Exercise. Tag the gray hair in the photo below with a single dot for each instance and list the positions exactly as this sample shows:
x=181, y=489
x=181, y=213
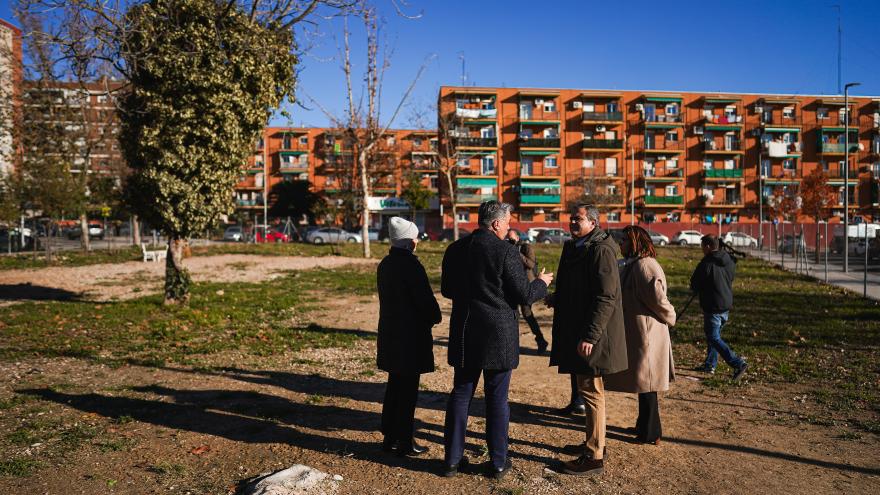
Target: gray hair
x=591, y=210
x=491, y=211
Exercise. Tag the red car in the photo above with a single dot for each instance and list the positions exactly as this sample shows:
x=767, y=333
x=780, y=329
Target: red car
x=274, y=235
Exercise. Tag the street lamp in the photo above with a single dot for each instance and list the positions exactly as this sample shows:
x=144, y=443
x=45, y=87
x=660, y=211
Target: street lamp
x=846, y=174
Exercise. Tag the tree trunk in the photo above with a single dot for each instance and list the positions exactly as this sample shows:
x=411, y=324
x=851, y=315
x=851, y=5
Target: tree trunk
x=48, y=243
x=365, y=211
x=817, y=239
x=177, y=279
x=452, y=203
x=84, y=227
x=135, y=231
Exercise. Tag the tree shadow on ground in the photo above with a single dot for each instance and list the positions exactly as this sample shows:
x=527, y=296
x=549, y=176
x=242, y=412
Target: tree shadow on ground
x=30, y=292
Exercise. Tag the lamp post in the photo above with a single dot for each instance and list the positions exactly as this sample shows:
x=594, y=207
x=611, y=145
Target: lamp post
x=846, y=174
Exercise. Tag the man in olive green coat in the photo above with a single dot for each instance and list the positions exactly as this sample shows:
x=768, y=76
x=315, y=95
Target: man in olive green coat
x=588, y=334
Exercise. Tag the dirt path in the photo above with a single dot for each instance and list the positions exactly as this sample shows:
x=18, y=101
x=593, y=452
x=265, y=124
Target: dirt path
x=193, y=431
x=119, y=281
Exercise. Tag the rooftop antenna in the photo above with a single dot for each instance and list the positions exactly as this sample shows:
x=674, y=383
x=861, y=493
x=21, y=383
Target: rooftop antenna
x=839, y=49
x=463, y=74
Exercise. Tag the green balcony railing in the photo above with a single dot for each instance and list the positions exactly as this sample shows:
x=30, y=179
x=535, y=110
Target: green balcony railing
x=465, y=198
x=664, y=200
x=539, y=143
x=605, y=144
x=723, y=173
x=603, y=116
x=540, y=199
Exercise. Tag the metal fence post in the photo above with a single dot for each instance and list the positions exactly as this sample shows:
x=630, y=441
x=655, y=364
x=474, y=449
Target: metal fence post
x=825, y=243
x=865, y=279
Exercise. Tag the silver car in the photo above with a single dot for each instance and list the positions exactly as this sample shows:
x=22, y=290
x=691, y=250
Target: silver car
x=738, y=239
x=233, y=233
x=332, y=235
x=553, y=236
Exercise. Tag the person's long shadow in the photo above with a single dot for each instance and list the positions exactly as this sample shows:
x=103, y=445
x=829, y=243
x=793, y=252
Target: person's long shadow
x=253, y=417
x=30, y=292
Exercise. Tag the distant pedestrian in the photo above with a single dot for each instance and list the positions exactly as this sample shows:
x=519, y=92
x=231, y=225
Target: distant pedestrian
x=647, y=316
x=712, y=281
x=588, y=335
x=483, y=275
x=407, y=311
x=530, y=265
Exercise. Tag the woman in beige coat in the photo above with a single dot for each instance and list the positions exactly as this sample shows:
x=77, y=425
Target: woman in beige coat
x=647, y=317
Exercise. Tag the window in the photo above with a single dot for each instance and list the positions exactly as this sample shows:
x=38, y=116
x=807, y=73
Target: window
x=549, y=106
x=525, y=165
x=611, y=166
x=612, y=107
x=788, y=113
x=526, y=216
x=390, y=140
x=463, y=216
x=417, y=142
x=551, y=217
x=672, y=190
x=707, y=165
x=286, y=142
x=463, y=162
x=304, y=140
x=487, y=164
x=613, y=217
x=589, y=107
x=672, y=109
x=330, y=140
x=788, y=164
x=550, y=162
x=487, y=132
x=611, y=189
x=765, y=168
x=433, y=182
x=650, y=190
x=260, y=143
x=672, y=136
x=822, y=113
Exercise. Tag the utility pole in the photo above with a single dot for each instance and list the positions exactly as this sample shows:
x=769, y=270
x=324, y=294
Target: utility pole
x=632, y=186
x=846, y=175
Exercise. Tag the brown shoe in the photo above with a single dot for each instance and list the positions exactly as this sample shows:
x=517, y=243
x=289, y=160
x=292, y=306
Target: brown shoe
x=584, y=466
x=579, y=448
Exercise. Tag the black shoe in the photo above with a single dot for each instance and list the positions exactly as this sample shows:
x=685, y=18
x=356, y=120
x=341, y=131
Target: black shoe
x=450, y=471
x=737, y=373
x=389, y=445
x=411, y=449
x=542, y=346
x=573, y=410
x=705, y=369
x=498, y=473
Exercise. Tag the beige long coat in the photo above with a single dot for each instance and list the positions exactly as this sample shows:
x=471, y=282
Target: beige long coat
x=647, y=317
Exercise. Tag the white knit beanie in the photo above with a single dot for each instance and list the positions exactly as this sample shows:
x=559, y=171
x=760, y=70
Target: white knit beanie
x=400, y=229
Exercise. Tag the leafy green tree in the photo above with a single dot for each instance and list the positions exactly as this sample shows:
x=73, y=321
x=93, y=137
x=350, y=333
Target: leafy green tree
x=204, y=79
x=415, y=193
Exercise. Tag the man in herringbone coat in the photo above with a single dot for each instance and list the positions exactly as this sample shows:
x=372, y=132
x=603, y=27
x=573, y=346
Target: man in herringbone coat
x=484, y=277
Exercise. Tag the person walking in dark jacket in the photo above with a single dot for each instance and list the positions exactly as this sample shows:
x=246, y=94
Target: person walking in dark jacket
x=407, y=311
x=588, y=334
x=484, y=277
x=530, y=265
x=712, y=281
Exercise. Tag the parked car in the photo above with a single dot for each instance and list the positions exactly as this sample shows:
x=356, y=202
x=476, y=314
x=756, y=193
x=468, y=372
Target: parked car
x=331, y=235
x=738, y=239
x=274, y=234
x=658, y=239
x=617, y=235
x=553, y=236
x=687, y=238
x=375, y=235
x=96, y=231
x=447, y=234
x=10, y=240
x=233, y=233
x=788, y=243
x=533, y=232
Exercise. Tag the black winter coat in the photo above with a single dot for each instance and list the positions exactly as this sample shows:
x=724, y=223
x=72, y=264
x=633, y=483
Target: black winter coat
x=407, y=311
x=588, y=306
x=484, y=277
x=713, y=281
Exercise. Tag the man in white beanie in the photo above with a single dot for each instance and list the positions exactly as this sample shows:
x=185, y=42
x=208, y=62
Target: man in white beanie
x=407, y=311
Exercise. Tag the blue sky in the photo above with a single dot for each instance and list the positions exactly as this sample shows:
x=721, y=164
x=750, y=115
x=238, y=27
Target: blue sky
x=750, y=46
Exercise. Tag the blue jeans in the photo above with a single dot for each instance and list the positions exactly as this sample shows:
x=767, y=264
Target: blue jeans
x=712, y=324
x=495, y=387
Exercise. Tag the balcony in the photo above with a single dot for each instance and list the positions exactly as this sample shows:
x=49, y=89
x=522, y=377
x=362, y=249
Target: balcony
x=662, y=121
x=837, y=148
x=723, y=203
x=539, y=117
x=294, y=168
x=476, y=142
x=836, y=175
x=718, y=173
x=474, y=198
x=665, y=147
x=540, y=192
x=603, y=144
x=249, y=203
x=652, y=175
x=779, y=149
x=476, y=113
x=725, y=148
x=602, y=117
x=539, y=143
x=663, y=200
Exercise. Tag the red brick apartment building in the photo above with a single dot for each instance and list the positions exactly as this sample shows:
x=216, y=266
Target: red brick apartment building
x=682, y=157
x=322, y=157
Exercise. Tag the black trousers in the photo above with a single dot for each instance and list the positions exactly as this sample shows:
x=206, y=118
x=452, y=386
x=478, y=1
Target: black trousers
x=648, y=425
x=529, y=316
x=399, y=407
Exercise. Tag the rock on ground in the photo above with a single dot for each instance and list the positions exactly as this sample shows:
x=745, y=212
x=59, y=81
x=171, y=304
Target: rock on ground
x=295, y=480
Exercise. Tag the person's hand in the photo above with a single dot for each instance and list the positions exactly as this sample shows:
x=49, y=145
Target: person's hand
x=584, y=349
x=545, y=277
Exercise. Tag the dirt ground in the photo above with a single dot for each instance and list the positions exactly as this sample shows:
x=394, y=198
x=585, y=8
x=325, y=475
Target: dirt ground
x=187, y=430
x=119, y=281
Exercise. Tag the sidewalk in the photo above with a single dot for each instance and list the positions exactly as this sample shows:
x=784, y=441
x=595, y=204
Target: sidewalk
x=852, y=281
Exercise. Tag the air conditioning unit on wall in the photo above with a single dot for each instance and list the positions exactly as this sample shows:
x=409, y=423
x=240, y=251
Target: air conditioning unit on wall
x=577, y=104
x=600, y=128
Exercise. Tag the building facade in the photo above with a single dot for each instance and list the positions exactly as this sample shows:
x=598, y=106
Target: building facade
x=655, y=156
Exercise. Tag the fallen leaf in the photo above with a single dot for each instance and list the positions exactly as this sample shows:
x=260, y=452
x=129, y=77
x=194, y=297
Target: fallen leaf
x=200, y=450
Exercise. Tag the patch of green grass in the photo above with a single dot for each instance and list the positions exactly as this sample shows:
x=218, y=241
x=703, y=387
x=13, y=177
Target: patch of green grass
x=166, y=468
x=315, y=399
x=19, y=467
x=114, y=444
x=13, y=401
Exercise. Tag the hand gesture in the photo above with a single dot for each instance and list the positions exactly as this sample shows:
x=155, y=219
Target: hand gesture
x=584, y=349
x=545, y=277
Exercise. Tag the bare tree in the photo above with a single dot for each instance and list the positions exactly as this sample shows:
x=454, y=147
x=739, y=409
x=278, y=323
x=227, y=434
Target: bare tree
x=448, y=128
x=362, y=123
